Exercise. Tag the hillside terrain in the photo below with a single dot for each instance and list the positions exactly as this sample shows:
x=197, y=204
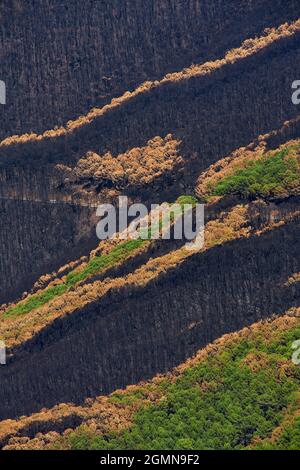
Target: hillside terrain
x=62, y=57
x=244, y=385
x=193, y=106
x=251, y=236
x=144, y=344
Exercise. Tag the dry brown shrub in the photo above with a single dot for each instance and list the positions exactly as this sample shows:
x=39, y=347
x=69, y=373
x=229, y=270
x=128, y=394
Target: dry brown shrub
x=293, y=280
x=138, y=166
x=102, y=415
x=18, y=329
x=247, y=48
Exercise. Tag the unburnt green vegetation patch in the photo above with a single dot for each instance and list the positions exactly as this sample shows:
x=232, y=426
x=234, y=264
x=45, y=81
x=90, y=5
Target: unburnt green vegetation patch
x=230, y=400
x=96, y=265
x=93, y=267
x=275, y=175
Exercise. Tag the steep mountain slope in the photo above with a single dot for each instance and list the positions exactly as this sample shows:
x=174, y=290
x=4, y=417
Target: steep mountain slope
x=82, y=319
x=251, y=252
x=60, y=58
x=244, y=384
x=205, y=108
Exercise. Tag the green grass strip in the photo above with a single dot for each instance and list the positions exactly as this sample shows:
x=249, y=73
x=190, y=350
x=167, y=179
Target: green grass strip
x=95, y=266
